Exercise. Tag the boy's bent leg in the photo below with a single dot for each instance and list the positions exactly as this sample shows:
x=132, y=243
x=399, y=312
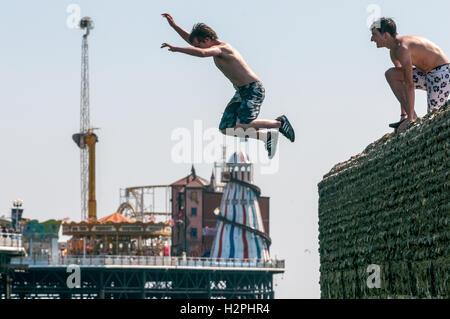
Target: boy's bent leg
x=246, y=132
x=419, y=80
x=268, y=136
x=395, y=79
x=259, y=124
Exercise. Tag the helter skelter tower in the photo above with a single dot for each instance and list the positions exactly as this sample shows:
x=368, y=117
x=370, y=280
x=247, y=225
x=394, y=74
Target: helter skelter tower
x=240, y=230
x=86, y=139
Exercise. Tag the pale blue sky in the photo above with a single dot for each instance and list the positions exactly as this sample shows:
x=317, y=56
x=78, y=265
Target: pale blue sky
x=315, y=59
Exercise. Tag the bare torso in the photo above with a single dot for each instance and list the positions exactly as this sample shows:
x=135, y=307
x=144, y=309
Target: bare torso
x=425, y=55
x=233, y=66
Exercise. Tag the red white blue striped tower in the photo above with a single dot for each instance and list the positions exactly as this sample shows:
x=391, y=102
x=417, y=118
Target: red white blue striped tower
x=240, y=230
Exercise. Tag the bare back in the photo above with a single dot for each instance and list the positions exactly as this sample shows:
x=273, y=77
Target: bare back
x=425, y=55
x=233, y=66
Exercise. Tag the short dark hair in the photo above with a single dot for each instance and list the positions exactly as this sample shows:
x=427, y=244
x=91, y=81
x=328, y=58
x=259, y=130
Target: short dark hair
x=384, y=25
x=201, y=31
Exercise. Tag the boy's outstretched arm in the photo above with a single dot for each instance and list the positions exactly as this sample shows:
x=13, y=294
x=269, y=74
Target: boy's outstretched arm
x=183, y=33
x=199, y=52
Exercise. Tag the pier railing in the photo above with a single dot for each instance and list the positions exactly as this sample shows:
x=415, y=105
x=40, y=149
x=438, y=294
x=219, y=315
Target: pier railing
x=159, y=261
x=10, y=240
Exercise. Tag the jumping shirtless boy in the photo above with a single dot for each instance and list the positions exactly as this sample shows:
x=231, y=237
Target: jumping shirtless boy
x=419, y=64
x=242, y=111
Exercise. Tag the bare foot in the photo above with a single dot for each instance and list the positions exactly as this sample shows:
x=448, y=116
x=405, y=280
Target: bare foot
x=404, y=124
x=404, y=116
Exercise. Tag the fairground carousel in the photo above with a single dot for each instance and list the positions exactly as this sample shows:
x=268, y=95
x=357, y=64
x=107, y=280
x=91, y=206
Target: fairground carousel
x=117, y=234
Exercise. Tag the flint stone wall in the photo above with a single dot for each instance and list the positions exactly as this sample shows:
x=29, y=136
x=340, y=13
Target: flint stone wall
x=389, y=206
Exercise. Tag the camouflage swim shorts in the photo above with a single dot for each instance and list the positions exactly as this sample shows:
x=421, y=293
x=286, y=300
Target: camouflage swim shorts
x=244, y=106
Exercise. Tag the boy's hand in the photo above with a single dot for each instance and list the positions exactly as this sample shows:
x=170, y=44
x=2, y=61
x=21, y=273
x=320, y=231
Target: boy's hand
x=167, y=45
x=183, y=33
x=169, y=19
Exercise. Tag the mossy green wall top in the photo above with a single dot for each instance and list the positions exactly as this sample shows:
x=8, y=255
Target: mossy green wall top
x=389, y=206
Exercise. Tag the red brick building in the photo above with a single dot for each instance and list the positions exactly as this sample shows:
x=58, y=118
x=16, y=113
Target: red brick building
x=194, y=200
